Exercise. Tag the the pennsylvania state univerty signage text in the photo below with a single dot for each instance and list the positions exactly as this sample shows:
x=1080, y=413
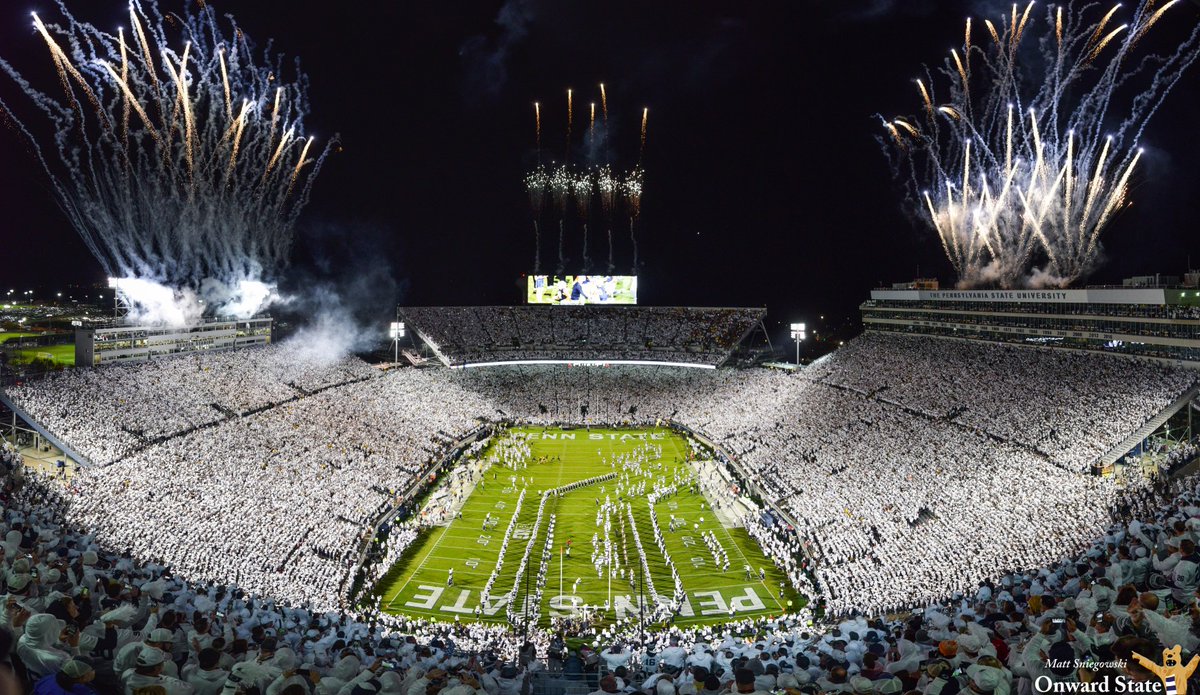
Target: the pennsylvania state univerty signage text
x=1003, y=295
x=1094, y=295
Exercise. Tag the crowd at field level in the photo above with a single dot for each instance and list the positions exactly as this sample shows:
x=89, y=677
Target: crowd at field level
x=81, y=619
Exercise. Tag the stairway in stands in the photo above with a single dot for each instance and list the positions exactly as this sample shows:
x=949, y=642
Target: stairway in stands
x=1146, y=430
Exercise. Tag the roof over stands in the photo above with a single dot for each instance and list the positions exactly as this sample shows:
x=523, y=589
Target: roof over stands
x=536, y=334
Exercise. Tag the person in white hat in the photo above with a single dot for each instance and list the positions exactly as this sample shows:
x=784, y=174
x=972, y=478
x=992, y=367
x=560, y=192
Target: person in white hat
x=73, y=678
x=149, y=671
x=46, y=645
x=985, y=679
x=159, y=638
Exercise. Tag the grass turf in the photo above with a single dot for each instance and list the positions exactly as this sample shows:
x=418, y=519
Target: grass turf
x=417, y=585
x=5, y=336
x=62, y=354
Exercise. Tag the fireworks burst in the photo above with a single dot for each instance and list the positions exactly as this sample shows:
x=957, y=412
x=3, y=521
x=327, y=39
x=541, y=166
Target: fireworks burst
x=537, y=117
x=179, y=153
x=582, y=187
x=1019, y=172
x=560, y=182
x=608, y=186
x=632, y=187
x=594, y=185
x=536, y=184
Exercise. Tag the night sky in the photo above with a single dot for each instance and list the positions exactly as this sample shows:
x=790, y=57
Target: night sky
x=764, y=181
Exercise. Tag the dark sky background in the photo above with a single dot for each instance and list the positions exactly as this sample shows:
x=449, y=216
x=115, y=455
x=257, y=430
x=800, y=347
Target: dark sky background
x=764, y=181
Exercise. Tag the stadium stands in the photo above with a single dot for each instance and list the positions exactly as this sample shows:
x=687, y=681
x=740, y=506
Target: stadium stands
x=1030, y=397
x=888, y=456
x=463, y=336
x=83, y=618
x=109, y=413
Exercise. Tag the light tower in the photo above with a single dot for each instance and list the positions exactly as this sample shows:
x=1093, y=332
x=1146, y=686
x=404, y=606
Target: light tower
x=120, y=301
x=396, y=332
x=799, y=333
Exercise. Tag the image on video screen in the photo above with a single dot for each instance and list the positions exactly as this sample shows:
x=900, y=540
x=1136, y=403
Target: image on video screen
x=582, y=289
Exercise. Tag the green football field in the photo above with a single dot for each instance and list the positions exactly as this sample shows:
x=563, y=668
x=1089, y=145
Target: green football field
x=470, y=544
x=61, y=354
x=5, y=336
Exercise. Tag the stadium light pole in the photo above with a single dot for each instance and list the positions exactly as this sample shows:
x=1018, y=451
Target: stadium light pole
x=396, y=332
x=799, y=334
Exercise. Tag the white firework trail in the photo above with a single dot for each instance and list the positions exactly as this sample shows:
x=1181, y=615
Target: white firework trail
x=1028, y=157
x=536, y=184
x=600, y=195
x=176, y=150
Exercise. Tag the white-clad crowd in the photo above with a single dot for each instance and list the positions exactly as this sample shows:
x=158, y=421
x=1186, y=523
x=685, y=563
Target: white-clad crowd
x=1027, y=396
x=896, y=497
x=664, y=334
x=278, y=501
x=107, y=414
x=81, y=619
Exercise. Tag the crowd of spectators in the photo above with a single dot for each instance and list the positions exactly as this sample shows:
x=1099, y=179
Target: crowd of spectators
x=465, y=335
x=279, y=501
x=886, y=462
x=82, y=619
x=1027, y=396
x=106, y=414
x=879, y=477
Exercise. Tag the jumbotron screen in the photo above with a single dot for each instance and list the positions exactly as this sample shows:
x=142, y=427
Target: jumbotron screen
x=582, y=289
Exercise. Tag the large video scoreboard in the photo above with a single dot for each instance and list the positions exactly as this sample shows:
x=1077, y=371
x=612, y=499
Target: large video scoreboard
x=582, y=289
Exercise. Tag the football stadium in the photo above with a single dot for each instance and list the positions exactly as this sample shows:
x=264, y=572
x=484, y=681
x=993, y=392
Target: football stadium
x=241, y=486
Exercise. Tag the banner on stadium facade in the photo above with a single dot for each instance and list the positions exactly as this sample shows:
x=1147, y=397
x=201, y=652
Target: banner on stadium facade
x=1099, y=295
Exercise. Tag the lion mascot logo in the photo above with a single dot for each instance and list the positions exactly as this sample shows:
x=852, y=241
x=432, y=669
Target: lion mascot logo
x=1174, y=675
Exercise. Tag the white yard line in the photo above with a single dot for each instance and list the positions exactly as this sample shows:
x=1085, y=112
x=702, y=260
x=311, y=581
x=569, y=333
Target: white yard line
x=391, y=601
x=730, y=540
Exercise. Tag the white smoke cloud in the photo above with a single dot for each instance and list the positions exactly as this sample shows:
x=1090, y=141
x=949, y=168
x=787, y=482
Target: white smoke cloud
x=153, y=303
x=332, y=329
x=1043, y=278
x=241, y=299
x=327, y=338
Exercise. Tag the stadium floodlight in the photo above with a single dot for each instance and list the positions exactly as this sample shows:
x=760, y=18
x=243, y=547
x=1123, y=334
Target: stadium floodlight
x=112, y=283
x=799, y=334
x=396, y=332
